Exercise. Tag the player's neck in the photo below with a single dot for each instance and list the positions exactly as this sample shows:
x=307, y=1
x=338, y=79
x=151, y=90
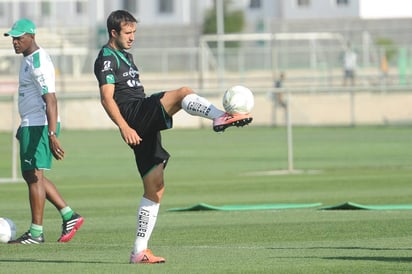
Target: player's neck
x=31, y=49
x=112, y=44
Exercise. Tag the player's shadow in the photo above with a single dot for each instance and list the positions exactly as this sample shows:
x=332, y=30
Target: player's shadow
x=396, y=259
x=42, y=261
x=345, y=247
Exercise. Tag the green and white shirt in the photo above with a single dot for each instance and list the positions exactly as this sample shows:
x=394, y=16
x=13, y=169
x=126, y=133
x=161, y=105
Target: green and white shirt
x=36, y=78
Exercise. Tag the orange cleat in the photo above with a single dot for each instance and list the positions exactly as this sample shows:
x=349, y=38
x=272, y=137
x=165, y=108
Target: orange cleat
x=229, y=120
x=146, y=257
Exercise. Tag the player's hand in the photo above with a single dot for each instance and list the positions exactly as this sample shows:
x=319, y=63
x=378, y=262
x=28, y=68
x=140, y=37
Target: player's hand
x=130, y=136
x=56, y=148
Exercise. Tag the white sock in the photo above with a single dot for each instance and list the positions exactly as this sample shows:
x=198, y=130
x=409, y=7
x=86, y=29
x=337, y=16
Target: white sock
x=199, y=106
x=146, y=220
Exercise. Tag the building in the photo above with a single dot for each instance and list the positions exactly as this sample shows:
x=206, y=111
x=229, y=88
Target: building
x=89, y=13
x=169, y=30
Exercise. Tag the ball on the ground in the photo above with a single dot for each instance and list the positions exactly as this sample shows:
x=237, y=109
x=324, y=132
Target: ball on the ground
x=7, y=230
x=238, y=99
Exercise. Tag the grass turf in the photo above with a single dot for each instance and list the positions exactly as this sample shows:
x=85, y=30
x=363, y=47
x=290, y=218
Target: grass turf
x=366, y=165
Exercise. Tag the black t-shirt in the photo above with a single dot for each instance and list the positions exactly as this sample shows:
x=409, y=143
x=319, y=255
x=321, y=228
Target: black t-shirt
x=117, y=67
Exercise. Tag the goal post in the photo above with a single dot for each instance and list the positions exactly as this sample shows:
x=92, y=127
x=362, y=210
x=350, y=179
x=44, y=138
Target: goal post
x=207, y=60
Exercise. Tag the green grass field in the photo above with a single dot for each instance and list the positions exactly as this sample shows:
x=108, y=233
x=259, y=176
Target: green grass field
x=366, y=165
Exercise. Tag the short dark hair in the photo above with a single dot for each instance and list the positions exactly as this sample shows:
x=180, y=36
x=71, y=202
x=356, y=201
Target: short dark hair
x=116, y=18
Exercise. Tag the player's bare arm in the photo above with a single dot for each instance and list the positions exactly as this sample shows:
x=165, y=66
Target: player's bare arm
x=129, y=135
x=51, y=113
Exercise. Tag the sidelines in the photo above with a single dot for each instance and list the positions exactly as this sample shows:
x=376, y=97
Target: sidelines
x=11, y=180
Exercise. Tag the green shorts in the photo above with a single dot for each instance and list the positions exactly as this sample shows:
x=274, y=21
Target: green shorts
x=35, y=151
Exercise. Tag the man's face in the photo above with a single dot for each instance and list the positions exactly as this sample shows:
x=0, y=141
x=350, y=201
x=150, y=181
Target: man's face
x=23, y=43
x=124, y=39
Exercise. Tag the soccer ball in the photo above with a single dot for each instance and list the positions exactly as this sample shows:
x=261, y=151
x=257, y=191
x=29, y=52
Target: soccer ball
x=238, y=99
x=7, y=230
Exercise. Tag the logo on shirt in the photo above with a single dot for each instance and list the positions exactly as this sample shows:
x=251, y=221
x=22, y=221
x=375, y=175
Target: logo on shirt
x=41, y=79
x=110, y=79
x=133, y=72
x=106, y=65
x=133, y=83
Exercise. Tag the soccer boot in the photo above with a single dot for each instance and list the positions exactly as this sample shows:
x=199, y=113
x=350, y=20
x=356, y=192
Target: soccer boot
x=70, y=227
x=146, y=257
x=27, y=239
x=228, y=120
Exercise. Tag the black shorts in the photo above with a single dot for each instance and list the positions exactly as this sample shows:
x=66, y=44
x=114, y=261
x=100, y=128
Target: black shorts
x=349, y=73
x=148, y=118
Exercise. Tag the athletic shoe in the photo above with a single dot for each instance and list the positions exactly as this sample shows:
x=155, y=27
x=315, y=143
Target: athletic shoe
x=70, y=227
x=228, y=120
x=27, y=239
x=146, y=257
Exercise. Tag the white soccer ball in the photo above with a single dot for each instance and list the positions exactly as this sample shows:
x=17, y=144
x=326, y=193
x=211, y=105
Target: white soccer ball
x=238, y=99
x=7, y=230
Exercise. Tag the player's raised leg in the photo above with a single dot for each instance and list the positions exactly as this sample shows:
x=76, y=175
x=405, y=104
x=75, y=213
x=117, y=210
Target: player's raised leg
x=196, y=105
x=229, y=120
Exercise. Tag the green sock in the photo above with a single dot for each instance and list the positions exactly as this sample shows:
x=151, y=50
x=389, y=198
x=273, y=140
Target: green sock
x=36, y=230
x=66, y=213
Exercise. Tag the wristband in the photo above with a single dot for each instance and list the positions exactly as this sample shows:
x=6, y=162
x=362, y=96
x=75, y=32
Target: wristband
x=52, y=133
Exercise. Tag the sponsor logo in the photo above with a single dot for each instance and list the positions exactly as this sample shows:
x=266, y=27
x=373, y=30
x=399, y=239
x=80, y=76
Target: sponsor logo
x=133, y=83
x=106, y=65
x=28, y=161
x=145, y=258
x=196, y=107
x=110, y=78
x=133, y=72
x=143, y=222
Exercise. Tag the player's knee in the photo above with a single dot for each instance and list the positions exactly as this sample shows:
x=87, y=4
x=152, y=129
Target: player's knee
x=155, y=191
x=185, y=91
x=159, y=186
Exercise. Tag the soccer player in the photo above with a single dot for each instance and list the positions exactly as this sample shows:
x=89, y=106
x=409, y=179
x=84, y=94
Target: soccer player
x=140, y=120
x=38, y=133
x=349, y=65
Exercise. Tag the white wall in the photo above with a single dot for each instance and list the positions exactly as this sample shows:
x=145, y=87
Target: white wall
x=370, y=9
x=185, y=12
x=192, y=11
x=319, y=9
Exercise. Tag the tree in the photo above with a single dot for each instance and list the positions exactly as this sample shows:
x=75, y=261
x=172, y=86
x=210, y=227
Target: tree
x=388, y=47
x=234, y=21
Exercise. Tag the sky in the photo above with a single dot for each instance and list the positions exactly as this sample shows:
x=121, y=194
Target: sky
x=385, y=8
